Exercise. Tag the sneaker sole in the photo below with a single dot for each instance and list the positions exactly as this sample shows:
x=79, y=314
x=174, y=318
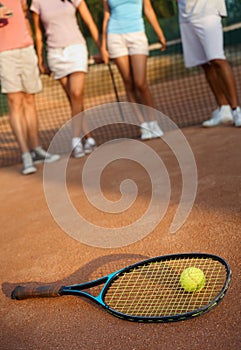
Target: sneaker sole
x=214, y=125
x=228, y=120
x=209, y=126
x=79, y=155
x=88, y=151
x=156, y=135
x=152, y=136
x=29, y=171
x=47, y=160
x=145, y=138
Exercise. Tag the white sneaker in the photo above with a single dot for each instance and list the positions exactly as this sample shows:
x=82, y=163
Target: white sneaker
x=155, y=128
x=78, y=149
x=28, y=165
x=39, y=155
x=146, y=132
x=89, y=145
x=237, y=117
x=222, y=115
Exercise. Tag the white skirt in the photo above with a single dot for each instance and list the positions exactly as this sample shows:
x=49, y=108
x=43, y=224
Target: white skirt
x=67, y=60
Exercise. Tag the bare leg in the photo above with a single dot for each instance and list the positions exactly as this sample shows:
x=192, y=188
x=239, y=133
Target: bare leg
x=17, y=119
x=139, y=66
x=139, y=69
x=213, y=81
x=124, y=66
x=31, y=120
x=220, y=77
x=133, y=71
x=73, y=86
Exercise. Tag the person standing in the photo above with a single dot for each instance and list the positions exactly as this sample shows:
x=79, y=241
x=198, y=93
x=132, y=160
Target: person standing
x=20, y=80
x=67, y=55
x=202, y=40
x=125, y=42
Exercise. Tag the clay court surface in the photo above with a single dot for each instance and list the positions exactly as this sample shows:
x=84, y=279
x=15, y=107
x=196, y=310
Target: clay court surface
x=35, y=251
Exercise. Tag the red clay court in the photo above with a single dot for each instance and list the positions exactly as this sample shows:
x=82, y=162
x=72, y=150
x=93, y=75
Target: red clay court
x=35, y=251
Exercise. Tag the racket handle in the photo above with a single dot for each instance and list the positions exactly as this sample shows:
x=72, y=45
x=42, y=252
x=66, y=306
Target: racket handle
x=48, y=291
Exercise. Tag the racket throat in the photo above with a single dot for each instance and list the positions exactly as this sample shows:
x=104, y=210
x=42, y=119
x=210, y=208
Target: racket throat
x=80, y=289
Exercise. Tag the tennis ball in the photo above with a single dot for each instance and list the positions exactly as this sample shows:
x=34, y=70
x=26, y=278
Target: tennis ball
x=192, y=279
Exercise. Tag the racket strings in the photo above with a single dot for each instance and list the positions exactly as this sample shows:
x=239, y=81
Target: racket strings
x=154, y=289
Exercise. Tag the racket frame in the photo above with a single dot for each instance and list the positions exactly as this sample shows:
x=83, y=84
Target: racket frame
x=77, y=289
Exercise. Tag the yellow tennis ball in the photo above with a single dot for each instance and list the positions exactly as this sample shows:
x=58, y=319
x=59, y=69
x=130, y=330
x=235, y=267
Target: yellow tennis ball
x=192, y=279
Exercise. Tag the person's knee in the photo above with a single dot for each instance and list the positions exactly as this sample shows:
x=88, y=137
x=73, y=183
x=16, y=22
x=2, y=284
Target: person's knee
x=76, y=95
x=129, y=85
x=206, y=66
x=15, y=100
x=141, y=85
x=29, y=99
x=219, y=63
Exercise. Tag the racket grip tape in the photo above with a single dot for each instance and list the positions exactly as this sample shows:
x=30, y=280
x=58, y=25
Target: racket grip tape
x=48, y=291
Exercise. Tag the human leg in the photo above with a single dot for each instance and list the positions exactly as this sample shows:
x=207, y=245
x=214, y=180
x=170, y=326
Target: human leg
x=19, y=127
x=73, y=85
x=38, y=154
x=221, y=80
x=203, y=46
x=31, y=120
x=139, y=67
x=125, y=70
x=133, y=72
x=77, y=145
x=123, y=49
x=215, y=83
x=20, y=81
x=123, y=64
x=223, y=113
x=17, y=119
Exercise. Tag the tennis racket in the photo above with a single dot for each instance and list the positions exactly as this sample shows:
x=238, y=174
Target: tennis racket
x=150, y=291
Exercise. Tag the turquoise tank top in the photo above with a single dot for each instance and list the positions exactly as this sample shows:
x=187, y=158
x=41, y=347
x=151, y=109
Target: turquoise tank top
x=125, y=16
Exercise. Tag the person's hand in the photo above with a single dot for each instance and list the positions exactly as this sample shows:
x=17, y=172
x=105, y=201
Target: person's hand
x=163, y=42
x=5, y=12
x=105, y=55
x=44, y=69
x=98, y=59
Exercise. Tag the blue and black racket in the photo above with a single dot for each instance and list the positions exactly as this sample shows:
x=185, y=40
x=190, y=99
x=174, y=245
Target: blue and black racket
x=150, y=291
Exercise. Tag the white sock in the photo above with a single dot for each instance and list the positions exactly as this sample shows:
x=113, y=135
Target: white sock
x=26, y=154
x=76, y=141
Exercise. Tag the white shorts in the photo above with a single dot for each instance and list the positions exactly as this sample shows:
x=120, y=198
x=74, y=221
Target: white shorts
x=202, y=40
x=19, y=71
x=67, y=60
x=127, y=44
